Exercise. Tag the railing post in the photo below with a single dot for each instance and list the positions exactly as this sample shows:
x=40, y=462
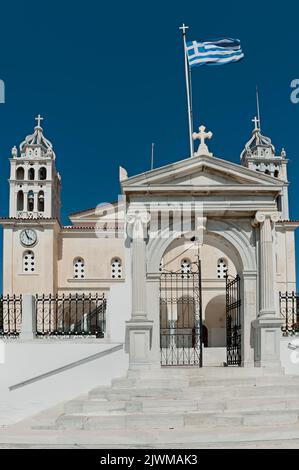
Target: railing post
x=28, y=326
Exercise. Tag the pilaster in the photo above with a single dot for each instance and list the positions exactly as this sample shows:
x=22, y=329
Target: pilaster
x=267, y=327
x=139, y=327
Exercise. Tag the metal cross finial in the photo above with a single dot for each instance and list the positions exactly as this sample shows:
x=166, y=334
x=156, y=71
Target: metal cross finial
x=202, y=135
x=184, y=28
x=256, y=122
x=39, y=119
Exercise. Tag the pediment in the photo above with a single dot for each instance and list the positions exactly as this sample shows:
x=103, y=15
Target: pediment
x=206, y=176
x=200, y=172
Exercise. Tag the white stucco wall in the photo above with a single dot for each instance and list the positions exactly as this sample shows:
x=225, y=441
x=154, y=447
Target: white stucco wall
x=25, y=361
x=43, y=279
x=97, y=254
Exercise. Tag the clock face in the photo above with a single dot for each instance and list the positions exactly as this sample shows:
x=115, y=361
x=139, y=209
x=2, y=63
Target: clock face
x=28, y=237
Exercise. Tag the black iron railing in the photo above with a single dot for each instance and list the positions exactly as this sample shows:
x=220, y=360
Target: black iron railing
x=10, y=315
x=73, y=314
x=289, y=311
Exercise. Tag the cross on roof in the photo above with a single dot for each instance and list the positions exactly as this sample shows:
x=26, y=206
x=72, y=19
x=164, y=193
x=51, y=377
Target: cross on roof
x=39, y=119
x=184, y=28
x=202, y=135
x=256, y=122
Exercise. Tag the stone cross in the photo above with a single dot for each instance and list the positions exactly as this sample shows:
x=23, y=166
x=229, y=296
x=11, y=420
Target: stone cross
x=39, y=119
x=202, y=135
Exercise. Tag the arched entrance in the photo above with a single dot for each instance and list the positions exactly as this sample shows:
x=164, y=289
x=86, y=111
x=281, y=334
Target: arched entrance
x=197, y=305
x=237, y=247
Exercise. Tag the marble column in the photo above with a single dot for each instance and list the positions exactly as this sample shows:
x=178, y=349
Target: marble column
x=267, y=275
x=139, y=279
x=267, y=326
x=139, y=327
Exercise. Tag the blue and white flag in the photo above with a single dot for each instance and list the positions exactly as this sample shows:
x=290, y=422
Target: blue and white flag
x=221, y=51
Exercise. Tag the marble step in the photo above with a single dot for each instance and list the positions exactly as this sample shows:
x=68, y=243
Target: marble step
x=184, y=405
x=197, y=392
x=174, y=420
x=184, y=437
x=243, y=392
x=186, y=382
x=209, y=372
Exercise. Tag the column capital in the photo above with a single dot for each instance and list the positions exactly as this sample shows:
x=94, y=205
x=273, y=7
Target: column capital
x=137, y=224
x=261, y=216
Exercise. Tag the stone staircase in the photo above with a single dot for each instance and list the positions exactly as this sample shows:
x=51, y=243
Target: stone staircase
x=187, y=399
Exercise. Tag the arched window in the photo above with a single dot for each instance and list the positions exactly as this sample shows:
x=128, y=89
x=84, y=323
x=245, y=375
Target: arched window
x=20, y=173
x=31, y=174
x=222, y=268
x=28, y=262
x=116, y=268
x=276, y=173
x=20, y=201
x=30, y=201
x=42, y=174
x=41, y=201
x=79, y=268
x=185, y=268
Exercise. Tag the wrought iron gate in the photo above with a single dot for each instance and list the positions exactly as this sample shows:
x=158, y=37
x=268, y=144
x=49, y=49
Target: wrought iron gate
x=289, y=312
x=181, y=318
x=233, y=322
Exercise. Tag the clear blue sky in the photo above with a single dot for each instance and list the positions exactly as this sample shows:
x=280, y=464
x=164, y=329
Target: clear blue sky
x=108, y=77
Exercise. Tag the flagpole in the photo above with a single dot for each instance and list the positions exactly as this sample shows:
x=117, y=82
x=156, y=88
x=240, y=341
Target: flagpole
x=187, y=77
x=152, y=156
x=258, y=107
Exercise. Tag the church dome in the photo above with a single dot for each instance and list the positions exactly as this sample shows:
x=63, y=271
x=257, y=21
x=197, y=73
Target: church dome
x=36, y=145
x=258, y=145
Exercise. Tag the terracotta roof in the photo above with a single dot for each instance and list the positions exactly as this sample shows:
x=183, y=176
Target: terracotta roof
x=290, y=221
x=27, y=219
x=74, y=227
x=82, y=212
x=92, y=227
x=93, y=208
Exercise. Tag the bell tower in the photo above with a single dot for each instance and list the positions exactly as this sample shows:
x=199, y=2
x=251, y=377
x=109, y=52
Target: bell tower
x=34, y=182
x=259, y=155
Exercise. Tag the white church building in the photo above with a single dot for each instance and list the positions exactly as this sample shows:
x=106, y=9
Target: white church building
x=194, y=265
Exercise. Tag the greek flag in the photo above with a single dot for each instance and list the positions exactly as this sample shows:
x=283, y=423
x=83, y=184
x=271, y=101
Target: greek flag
x=221, y=51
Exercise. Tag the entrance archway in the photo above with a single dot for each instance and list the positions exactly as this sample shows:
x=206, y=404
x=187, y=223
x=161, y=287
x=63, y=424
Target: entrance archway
x=236, y=246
